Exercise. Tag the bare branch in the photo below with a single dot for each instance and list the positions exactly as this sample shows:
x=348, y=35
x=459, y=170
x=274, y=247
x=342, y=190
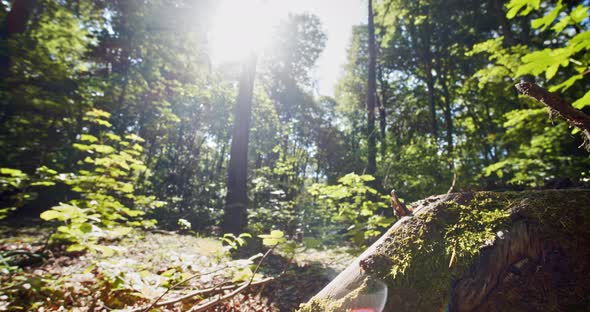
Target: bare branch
x=558, y=106
x=213, y=302
x=154, y=303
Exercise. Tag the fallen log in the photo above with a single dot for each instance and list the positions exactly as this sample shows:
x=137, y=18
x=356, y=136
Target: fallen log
x=525, y=251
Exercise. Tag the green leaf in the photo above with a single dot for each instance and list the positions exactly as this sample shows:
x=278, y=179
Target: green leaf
x=88, y=138
x=583, y=101
x=86, y=227
x=134, y=137
x=113, y=136
x=548, y=19
x=515, y=6
x=106, y=251
x=277, y=234
x=98, y=113
x=103, y=149
x=566, y=84
x=168, y=273
x=11, y=172
x=81, y=147
x=50, y=215
x=76, y=247
x=551, y=71
x=579, y=14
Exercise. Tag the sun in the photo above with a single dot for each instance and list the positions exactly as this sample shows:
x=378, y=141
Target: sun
x=242, y=27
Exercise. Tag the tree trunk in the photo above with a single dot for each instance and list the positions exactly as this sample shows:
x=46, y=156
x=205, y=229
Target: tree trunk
x=448, y=110
x=235, y=217
x=498, y=11
x=431, y=102
x=16, y=23
x=382, y=113
x=371, y=96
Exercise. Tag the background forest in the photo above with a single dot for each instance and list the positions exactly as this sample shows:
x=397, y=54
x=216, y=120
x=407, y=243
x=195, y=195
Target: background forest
x=113, y=116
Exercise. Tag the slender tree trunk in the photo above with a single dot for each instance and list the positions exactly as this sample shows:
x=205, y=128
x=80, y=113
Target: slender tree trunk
x=221, y=159
x=497, y=7
x=448, y=109
x=422, y=48
x=371, y=96
x=236, y=203
x=431, y=100
x=382, y=112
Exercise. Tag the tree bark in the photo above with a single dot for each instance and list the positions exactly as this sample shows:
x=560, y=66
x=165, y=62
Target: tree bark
x=431, y=100
x=16, y=23
x=557, y=106
x=235, y=217
x=448, y=110
x=371, y=96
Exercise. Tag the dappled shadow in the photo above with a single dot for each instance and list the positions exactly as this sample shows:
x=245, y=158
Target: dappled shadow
x=298, y=283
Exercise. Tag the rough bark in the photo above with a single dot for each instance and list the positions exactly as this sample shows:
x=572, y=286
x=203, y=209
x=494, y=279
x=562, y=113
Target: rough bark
x=540, y=252
x=235, y=213
x=558, y=107
x=371, y=95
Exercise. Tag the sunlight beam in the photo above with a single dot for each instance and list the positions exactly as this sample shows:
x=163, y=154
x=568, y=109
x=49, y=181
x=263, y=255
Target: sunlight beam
x=241, y=28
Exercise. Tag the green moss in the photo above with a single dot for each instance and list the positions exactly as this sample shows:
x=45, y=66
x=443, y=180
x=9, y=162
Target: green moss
x=415, y=262
x=329, y=305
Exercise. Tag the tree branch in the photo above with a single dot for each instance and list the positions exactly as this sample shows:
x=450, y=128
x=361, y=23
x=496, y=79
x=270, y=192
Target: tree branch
x=557, y=106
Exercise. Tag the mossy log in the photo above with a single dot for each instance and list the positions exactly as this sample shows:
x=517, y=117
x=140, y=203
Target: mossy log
x=526, y=251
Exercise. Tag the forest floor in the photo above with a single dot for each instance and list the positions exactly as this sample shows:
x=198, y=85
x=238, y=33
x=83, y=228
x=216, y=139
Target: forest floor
x=142, y=269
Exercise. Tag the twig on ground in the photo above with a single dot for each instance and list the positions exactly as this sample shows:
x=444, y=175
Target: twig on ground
x=154, y=303
x=217, y=288
x=206, y=305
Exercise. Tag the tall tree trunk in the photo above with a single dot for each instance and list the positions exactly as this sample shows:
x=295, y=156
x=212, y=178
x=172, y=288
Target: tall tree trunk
x=220, y=159
x=371, y=96
x=16, y=23
x=431, y=100
x=236, y=203
x=382, y=112
x=497, y=7
x=422, y=48
x=442, y=77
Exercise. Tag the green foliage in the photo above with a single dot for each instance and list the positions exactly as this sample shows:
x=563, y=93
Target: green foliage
x=572, y=52
x=352, y=204
x=109, y=206
x=235, y=242
x=184, y=225
x=13, y=181
x=538, y=150
x=274, y=238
